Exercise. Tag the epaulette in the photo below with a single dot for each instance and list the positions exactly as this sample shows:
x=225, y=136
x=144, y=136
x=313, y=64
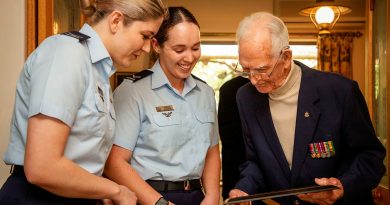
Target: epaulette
x=138, y=76
x=77, y=35
x=194, y=76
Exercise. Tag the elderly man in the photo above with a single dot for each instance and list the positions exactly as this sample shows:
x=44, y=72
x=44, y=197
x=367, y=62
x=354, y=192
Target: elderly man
x=301, y=127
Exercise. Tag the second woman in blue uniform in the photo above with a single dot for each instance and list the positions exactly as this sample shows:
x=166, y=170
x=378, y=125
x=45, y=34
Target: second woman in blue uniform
x=166, y=141
x=63, y=122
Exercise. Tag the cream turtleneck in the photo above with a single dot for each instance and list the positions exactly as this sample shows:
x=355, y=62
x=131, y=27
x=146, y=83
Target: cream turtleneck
x=283, y=103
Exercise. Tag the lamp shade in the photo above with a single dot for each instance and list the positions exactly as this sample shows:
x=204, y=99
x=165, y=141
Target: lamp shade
x=324, y=14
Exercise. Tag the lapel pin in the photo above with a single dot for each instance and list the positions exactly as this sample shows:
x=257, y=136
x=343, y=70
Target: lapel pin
x=307, y=114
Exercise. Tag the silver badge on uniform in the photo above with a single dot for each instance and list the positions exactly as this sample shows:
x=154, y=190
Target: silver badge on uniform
x=167, y=114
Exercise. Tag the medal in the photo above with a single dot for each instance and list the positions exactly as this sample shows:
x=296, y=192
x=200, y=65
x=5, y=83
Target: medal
x=331, y=148
x=317, y=150
x=323, y=153
x=327, y=149
x=313, y=154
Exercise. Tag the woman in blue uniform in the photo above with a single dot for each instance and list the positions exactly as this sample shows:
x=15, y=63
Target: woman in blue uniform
x=166, y=141
x=63, y=121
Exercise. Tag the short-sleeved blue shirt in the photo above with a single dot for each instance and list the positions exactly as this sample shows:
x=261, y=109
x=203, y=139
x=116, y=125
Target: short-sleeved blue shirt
x=68, y=80
x=169, y=132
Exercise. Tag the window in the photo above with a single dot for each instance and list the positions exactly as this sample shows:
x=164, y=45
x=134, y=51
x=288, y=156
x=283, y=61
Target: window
x=217, y=62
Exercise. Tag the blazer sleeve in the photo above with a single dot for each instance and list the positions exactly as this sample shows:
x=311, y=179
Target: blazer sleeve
x=251, y=177
x=366, y=153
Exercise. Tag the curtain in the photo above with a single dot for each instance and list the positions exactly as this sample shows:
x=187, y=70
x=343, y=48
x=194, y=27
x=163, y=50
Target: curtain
x=335, y=52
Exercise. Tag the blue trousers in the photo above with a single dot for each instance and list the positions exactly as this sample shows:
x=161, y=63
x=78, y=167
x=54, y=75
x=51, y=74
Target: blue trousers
x=182, y=197
x=18, y=191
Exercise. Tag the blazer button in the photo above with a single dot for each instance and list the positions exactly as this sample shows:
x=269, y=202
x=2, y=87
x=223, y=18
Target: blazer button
x=296, y=202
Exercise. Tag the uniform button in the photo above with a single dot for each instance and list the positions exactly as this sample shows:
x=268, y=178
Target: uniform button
x=296, y=202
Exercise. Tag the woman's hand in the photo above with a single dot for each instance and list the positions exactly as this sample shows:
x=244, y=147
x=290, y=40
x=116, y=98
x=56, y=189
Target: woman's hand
x=210, y=200
x=124, y=197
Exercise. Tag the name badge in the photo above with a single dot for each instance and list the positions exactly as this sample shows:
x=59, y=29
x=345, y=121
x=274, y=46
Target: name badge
x=165, y=108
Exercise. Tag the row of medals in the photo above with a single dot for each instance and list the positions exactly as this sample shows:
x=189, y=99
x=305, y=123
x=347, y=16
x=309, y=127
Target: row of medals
x=322, y=149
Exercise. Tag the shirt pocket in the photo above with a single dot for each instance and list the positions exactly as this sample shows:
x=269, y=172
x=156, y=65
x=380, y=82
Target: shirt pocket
x=205, y=116
x=163, y=119
x=205, y=127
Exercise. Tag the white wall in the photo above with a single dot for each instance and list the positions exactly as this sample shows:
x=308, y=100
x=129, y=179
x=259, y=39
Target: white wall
x=12, y=49
x=221, y=16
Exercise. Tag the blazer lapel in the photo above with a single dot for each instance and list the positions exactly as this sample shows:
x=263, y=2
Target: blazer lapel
x=306, y=121
x=264, y=118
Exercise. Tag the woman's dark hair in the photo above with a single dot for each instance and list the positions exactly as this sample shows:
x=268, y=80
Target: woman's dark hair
x=176, y=15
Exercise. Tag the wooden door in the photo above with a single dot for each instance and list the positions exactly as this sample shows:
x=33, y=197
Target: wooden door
x=48, y=17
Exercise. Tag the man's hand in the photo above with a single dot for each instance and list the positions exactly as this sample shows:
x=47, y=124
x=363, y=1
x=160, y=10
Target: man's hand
x=237, y=193
x=325, y=197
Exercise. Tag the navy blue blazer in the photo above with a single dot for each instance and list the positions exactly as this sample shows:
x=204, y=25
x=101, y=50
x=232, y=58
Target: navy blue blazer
x=330, y=108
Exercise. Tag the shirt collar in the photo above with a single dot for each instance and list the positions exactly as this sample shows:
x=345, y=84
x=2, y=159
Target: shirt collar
x=159, y=79
x=97, y=50
x=189, y=84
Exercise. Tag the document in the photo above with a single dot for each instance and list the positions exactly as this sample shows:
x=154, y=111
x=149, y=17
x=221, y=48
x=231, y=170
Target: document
x=280, y=193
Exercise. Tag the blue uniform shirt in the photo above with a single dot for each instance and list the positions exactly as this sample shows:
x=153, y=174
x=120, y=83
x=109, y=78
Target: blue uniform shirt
x=168, y=132
x=67, y=80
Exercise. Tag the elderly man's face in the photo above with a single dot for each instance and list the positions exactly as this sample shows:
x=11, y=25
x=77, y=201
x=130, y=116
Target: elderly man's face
x=268, y=71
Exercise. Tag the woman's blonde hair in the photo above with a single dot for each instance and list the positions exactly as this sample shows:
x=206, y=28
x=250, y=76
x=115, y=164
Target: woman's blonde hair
x=133, y=10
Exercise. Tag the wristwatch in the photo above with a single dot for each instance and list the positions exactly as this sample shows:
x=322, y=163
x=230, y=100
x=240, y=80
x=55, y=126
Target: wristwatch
x=162, y=201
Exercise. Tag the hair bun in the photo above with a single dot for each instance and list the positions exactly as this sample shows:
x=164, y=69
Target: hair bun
x=88, y=7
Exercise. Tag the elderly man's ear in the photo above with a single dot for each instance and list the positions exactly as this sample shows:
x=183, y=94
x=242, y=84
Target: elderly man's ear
x=287, y=57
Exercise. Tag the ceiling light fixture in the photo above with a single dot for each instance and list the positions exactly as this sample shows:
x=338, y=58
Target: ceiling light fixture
x=324, y=14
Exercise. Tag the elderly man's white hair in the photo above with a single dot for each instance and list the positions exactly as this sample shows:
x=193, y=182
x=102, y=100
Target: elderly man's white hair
x=261, y=20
